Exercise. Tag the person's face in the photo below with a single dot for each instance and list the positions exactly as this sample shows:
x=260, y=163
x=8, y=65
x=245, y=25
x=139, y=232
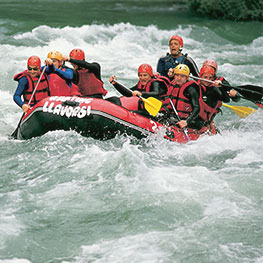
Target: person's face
x=144, y=78
x=174, y=46
x=207, y=76
x=33, y=70
x=180, y=79
x=56, y=62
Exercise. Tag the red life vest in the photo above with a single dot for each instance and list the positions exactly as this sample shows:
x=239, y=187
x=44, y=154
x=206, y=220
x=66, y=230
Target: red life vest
x=206, y=112
x=89, y=85
x=59, y=86
x=158, y=78
x=42, y=90
x=163, y=97
x=181, y=103
x=219, y=78
x=145, y=88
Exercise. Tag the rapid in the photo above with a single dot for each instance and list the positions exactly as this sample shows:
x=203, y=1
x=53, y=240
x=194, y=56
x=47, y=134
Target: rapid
x=70, y=199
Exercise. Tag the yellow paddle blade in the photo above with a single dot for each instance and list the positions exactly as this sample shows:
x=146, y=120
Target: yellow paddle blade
x=241, y=111
x=152, y=105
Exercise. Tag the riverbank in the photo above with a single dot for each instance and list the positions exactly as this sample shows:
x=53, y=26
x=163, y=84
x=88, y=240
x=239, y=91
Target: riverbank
x=241, y=10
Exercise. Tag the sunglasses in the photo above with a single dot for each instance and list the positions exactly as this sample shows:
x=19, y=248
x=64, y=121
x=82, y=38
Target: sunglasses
x=35, y=69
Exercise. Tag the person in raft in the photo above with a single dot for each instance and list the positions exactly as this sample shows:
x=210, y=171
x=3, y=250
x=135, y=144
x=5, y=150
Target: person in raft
x=211, y=97
x=219, y=80
x=60, y=76
x=87, y=76
x=27, y=81
x=167, y=63
x=184, y=94
x=148, y=85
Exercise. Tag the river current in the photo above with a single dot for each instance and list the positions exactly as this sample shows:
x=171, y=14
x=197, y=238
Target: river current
x=65, y=198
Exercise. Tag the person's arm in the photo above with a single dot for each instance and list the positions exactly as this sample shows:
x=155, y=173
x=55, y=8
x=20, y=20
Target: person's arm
x=49, y=69
x=66, y=75
x=123, y=90
x=161, y=67
x=214, y=95
x=193, y=95
x=75, y=79
x=92, y=67
x=22, y=83
x=223, y=96
x=154, y=90
x=227, y=90
x=134, y=87
x=192, y=66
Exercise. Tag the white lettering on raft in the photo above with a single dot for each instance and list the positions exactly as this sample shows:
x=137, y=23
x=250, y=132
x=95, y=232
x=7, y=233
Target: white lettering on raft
x=77, y=99
x=68, y=111
x=154, y=127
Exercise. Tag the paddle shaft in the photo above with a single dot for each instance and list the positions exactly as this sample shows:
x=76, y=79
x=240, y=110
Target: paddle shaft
x=152, y=105
x=239, y=89
x=34, y=91
x=14, y=134
x=178, y=117
x=234, y=108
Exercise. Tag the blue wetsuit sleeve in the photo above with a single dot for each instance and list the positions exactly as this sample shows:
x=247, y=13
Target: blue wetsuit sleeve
x=22, y=83
x=66, y=75
x=49, y=69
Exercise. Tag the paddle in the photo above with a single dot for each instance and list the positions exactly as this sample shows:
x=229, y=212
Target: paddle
x=14, y=134
x=178, y=117
x=34, y=91
x=241, y=111
x=256, y=102
x=152, y=105
x=251, y=92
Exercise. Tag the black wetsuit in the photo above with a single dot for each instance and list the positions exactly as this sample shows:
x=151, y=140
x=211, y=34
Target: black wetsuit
x=93, y=67
x=157, y=89
x=192, y=93
x=211, y=97
x=167, y=62
x=225, y=90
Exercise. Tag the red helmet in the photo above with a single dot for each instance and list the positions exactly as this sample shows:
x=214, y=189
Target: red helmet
x=34, y=61
x=177, y=38
x=211, y=63
x=145, y=68
x=77, y=53
x=207, y=70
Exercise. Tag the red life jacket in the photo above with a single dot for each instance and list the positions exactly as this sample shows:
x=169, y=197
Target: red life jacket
x=206, y=112
x=219, y=78
x=158, y=78
x=90, y=85
x=59, y=86
x=181, y=103
x=42, y=90
x=145, y=88
x=163, y=97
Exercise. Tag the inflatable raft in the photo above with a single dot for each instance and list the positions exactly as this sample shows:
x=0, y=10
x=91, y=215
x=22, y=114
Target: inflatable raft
x=95, y=118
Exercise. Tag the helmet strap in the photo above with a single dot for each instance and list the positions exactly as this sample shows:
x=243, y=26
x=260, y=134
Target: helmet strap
x=179, y=51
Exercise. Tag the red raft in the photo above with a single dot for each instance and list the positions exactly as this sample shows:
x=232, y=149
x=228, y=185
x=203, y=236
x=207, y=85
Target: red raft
x=95, y=118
